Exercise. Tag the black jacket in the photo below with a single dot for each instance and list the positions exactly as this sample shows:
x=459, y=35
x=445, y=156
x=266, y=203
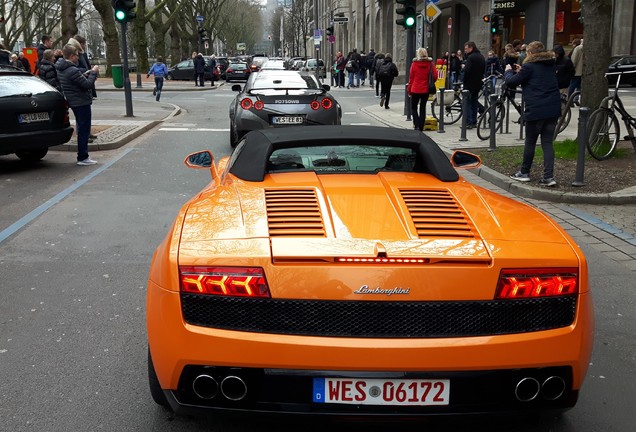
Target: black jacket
x=77, y=86
x=390, y=68
x=48, y=73
x=564, y=67
x=474, y=71
x=41, y=49
x=538, y=79
x=199, y=64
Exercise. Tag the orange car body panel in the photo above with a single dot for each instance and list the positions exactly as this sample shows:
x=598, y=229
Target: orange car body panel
x=360, y=214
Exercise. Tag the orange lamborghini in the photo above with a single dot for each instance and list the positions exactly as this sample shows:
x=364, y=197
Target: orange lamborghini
x=351, y=270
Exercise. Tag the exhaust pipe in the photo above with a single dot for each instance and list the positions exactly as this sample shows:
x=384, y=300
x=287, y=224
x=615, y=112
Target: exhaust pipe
x=205, y=387
x=233, y=388
x=552, y=388
x=527, y=389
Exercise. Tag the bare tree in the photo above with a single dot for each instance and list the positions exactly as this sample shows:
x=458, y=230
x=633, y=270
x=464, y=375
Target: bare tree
x=69, y=19
x=111, y=40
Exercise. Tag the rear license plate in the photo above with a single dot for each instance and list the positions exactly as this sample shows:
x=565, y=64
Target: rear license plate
x=381, y=391
x=288, y=120
x=33, y=117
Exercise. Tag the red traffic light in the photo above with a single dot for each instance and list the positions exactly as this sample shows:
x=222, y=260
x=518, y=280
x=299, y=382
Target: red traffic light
x=487, y=18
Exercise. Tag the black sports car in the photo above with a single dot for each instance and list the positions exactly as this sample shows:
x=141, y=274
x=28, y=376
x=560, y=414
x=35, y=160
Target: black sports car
x=33, y=115
x=280, y=98
x=624, y=63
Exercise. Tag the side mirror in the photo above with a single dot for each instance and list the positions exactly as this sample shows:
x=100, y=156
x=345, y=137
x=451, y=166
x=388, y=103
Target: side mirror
x=236, y=88
x=202, y=159
x=327, y=87
x=465, y=160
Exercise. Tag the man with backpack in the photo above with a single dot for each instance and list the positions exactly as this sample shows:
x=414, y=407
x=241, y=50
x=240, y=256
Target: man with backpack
x=386, y=74
x=371, y=66
x=353, y=67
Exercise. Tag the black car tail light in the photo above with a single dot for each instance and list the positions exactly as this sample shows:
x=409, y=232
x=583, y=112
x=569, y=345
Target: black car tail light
x=246, y=103
x=327, y=103
x=258, y=105
x=314, y=105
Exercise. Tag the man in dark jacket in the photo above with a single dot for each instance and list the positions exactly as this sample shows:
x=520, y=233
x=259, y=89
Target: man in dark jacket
x=46, y=43
x=48, y=72
x=542, y=104
x=199, y=70
x=386, y=74
x=474, y=68
x=77, y=87
x=564, y=68
x=25, y=62
x=371, y=66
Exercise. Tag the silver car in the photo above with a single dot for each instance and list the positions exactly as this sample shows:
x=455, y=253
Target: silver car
x=279, y=98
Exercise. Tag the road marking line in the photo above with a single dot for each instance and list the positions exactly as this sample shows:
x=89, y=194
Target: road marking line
x=192, y=130
x=360, y=124
x=350, y=113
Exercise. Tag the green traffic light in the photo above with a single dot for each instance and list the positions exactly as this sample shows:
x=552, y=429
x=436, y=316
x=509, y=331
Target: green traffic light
x=494, y=30
x=410, y=21
x=120, y=15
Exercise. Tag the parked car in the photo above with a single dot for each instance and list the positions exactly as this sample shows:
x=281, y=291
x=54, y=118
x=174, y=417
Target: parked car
x=257, y=63
x=237, y=72
x=184, y=70
x=222, y=64
x=352, y=271
x=623, y=63
x=310, y=66
x=281, y=98
x=33, y=115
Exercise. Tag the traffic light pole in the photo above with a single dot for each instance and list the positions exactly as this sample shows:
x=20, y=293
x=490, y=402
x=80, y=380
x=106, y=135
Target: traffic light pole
x=410, y=52
x=127, y=89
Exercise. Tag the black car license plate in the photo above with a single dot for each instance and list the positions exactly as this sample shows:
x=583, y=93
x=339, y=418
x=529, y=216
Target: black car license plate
x=33, y=117
x=287, y=120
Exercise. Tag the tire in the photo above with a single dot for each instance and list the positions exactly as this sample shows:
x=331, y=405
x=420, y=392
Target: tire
x=155, y=388
x=32, y=155
x=169, y=77
x=452, y=112
x=566, y=115
x=233, y=135
x=483, y=122
x=603, y=133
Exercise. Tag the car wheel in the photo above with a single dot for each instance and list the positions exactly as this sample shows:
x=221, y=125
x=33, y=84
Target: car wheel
x=169, y=76
x=33, y=155
x=234, y=138
x=155, y=388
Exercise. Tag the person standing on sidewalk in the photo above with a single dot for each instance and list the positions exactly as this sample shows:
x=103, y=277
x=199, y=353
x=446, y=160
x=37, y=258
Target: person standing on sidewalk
x=199, y=70
x=542, y=101
x=159, y=70
x=387, y=73
x=371, y=66
x=379, y=59
x=577, y=61
x=47, y=71
x=421, y=68
x=77, y=88
x=46, y=44
x=474, y=68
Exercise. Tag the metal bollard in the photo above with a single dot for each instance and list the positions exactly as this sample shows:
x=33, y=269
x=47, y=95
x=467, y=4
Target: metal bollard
x=493, y=123
x=584, y=115
x=507, y=115
x=407, y=103
x=138, y=80
x=521, y=122
x=465, y=108
x=440, y=125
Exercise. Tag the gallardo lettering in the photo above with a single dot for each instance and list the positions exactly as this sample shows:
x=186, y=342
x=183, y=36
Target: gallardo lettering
x=364, y=289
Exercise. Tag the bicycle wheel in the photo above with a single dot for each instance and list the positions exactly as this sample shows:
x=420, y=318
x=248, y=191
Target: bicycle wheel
x=603, y=132
x=483, y=122
x=566, y=115
x=452, y=111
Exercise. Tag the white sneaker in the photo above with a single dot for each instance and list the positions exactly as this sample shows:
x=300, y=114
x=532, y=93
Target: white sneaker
x=86, y=162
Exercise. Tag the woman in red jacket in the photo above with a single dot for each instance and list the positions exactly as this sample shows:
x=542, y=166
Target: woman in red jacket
x=418, y=86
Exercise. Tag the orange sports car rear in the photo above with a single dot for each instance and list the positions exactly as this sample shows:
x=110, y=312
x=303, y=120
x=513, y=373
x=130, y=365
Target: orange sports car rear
x=354, y=272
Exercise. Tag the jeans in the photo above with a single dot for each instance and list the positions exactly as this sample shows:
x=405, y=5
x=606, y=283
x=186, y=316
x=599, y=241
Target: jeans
x=199, y=79
x=544, y=129
x=575, y=84
x=83, y=124
x=385, y=90
x=341, y=78
x=419, y=118
x=158, y=86
x=474, y=108
x=353, y=75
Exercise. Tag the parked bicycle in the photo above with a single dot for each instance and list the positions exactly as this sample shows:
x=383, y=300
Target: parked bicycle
x=483, y=122
x=453, y=109
x=566, y=110
x=603, y=128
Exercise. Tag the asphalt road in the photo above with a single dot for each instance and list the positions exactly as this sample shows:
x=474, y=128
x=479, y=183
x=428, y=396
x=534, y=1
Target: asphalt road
x=72, y=315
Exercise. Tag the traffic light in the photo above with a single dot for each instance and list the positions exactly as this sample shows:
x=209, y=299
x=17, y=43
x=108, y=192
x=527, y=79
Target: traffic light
x=408, y=12
x=329, y=31
x=203, y=35
x=494, y=23
x=487, y=19
x=124, y=10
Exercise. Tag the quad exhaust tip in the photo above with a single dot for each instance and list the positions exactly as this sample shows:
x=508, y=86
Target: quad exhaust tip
x=527, y=389
x=205, y=387
x=233, y=388
x=552, y=388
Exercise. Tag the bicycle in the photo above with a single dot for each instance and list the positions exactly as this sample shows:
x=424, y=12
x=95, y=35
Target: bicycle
x=483, y=122
x=566, y=110
x=603, y=128
x=453, y=110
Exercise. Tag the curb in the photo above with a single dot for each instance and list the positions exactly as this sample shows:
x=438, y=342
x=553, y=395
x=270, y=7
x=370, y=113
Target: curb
x=502, y=181
x=149, y=88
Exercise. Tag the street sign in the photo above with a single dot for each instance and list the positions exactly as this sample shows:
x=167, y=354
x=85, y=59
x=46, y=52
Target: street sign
x=340, y=20
x=200, y=18
x=241, y=46
x=432, y=12
x=450, y=26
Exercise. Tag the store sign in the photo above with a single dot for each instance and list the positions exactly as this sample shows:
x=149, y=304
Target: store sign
x=509, y=6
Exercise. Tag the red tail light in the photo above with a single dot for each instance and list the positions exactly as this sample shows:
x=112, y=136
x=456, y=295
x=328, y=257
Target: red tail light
x=225, y=281
x=246, y=103
x=230, y=70
x=258, y=105
x=314, y=105
x=357, y=260
x=535, y=283
x=327, y=103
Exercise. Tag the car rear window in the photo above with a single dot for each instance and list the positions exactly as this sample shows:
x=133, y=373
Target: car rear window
x=21, y=84
x=238, y=66
x=284, y=81
x=343, y=159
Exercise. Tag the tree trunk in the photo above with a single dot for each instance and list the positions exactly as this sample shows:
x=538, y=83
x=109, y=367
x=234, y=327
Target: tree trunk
x=596, y=40
x=140, y=41
x=111, y=37
x=69, y=22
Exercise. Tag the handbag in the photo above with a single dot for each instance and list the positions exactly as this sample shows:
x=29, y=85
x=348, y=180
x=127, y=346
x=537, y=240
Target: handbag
x=431, y=81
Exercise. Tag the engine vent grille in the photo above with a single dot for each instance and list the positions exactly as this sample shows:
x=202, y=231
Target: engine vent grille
x=293, y=212
x=435, y=213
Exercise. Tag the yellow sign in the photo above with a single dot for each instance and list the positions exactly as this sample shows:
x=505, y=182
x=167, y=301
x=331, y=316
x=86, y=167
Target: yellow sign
x=432, y=12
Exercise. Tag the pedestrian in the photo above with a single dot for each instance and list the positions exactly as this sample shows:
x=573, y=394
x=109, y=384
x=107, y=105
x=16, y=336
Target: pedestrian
x=575, y=42
x=341, y=63
x=26, y=64
x=353, y=68
x=47, y=70
x=46, y=43
x=371, y=66
x=362, y=74
x=213, y=67
x=564, y=68
x=15, y=62
x=577, y=61
x=454, y=67
x=462, y=61
x=199, y=70
x=522, y=53
x=386, y=74
x=422, y=70
x=77, y=88
x=493, y=70
x=82, y=64
x=474, y=68
x=538, y=79
x=379, y=59
x=85, y=63
x=159, y=70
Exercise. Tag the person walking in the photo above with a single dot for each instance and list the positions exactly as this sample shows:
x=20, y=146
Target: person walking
x=371, y=66
x=493, y=69
x=564, y=68
x=455, y=66
x=199, y=70
x=577, y=61
x=386, y=74
x=474, y=68
x=422, y=68
x=353, y=68
x=46, y=43
x=77, y=87
x=379, y=59
x=538, y=79
x=341, y=63
x=159, y=70
x=47, y=70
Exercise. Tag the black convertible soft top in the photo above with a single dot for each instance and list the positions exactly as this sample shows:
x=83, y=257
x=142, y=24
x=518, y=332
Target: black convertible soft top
x=250, y=158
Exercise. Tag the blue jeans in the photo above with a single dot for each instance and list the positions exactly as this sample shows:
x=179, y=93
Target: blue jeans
x=158, y=86
x=351, y=76
x=83, y=123
x=534, y=130
x=474, y=107
x=575, y=84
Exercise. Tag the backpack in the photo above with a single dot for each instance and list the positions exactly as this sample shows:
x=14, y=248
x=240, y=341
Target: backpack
x=385, y=70
x=351, y=66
